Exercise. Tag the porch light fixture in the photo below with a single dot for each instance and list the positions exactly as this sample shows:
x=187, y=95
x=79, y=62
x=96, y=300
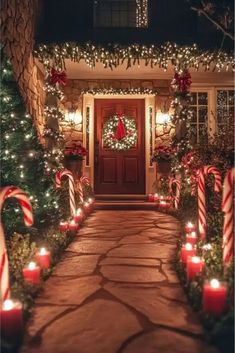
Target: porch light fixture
x=74, y=117
x=162, y=118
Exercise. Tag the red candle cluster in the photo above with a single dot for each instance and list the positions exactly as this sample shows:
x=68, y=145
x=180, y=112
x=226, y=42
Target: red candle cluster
x=11, y=319
x=214, y=297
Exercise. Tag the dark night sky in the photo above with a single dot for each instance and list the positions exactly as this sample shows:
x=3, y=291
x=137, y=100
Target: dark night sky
x=169, y=20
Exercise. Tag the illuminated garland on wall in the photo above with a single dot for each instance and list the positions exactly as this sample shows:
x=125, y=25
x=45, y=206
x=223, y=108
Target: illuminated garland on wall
x=123, y=91
x=181, y=57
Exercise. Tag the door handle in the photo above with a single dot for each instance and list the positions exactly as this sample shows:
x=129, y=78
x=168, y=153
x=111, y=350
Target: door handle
x=97, y=146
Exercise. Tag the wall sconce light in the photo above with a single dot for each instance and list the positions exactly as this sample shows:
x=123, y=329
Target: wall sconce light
x=162, y=118
x=73, y=117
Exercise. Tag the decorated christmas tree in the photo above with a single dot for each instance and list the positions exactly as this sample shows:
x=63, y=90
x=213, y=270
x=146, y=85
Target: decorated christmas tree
x=24, y=161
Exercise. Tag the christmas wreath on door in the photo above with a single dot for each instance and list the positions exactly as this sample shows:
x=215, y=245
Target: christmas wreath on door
x=119, y=133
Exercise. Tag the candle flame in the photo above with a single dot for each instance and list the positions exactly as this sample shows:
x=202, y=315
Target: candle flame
x=86, y=204
x=7, y=304
x=196, y=259
x=42, y=251
x=90, y=200
x=193, y=234
x=188, y=246
x=72, y=222
x=32, y=265
x=214, y=283
x=190, y=225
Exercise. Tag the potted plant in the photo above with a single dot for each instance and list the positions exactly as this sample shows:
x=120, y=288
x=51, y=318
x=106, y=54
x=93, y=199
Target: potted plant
x=73, y=157
x=163, y=156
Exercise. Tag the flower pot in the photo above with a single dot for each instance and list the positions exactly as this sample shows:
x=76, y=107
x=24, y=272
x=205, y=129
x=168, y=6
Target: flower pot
x=74, y=165
x=164, y=167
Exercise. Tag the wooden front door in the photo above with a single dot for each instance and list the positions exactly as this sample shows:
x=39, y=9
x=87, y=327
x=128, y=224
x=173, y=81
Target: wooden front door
x=119, y=172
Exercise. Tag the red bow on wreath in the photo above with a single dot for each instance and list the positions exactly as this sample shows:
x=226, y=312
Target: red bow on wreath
x=58, y=77
x=183, y=81
x=120, y=131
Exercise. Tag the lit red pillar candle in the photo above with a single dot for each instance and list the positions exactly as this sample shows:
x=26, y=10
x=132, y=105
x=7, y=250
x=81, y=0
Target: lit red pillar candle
x=195, y=265
x=43, y=258
x=191, y=238
x=91, y=203
x=64, y=226
x=78, y=216
x=11, y=318
x=164, y=205
x=32, y=273
x=151, y=197
x=86, y=207
x=187, y=250
x=155, y=197
x=214, y=297
x=73, y=226
x=190, y=227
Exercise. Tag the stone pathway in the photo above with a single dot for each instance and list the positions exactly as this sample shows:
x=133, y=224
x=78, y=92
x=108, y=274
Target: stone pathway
x=115, y=291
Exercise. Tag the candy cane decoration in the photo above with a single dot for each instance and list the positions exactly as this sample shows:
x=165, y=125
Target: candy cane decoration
x=201, y=195
x=5, y=193
x=176, y=198
x=227, y=208
x=84, y=180
x=58, y=178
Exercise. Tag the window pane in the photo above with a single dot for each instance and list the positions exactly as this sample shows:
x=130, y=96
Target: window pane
x=128, y=13
x=202, y=98
x=202, y=114
x=225, y=109
x=198, y=125
x=193, y=98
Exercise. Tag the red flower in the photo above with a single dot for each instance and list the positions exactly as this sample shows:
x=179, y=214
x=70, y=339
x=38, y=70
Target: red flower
x=75, y=150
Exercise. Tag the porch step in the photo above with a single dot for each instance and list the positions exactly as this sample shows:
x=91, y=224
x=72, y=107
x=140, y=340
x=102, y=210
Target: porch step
x=124, y=205
x=119, y=197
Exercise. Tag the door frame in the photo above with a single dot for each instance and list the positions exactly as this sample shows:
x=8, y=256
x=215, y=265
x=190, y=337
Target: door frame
x=88, y=138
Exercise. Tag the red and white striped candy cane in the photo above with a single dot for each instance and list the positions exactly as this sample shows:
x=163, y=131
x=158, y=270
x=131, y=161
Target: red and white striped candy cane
x=227, y=208
x=5, y=193
x=202, y=197
x=176, y=197
x=84, y=180
x=59, y=175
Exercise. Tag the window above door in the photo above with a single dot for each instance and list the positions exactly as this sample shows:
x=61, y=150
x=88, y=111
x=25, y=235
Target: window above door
x=121, y=13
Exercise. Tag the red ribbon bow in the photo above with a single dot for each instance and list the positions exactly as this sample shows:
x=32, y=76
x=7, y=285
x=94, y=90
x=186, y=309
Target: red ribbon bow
x=120, y=131
x=183, y=81
x=58, y=77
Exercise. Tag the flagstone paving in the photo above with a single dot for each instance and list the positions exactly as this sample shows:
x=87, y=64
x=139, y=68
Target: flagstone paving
x=116, y=291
